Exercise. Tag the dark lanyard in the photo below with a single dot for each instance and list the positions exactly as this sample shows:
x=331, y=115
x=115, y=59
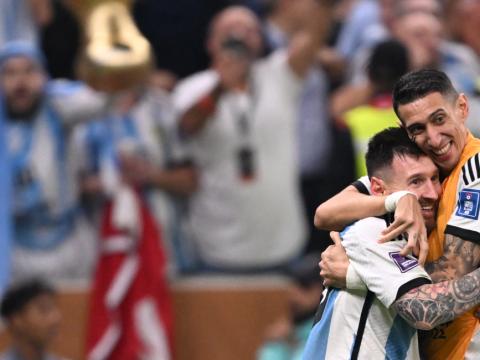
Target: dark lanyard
x=245, y=154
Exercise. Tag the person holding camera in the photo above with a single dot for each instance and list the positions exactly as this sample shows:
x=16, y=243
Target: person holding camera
x=238, y=121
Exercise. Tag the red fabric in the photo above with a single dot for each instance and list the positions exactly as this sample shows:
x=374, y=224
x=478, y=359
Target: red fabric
x=149, y=281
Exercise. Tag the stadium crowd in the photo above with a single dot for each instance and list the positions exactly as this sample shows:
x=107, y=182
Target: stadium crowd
x=253, y=114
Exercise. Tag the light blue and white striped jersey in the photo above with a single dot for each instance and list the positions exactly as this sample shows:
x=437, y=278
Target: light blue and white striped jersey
x=360, y=324
x=49, y=230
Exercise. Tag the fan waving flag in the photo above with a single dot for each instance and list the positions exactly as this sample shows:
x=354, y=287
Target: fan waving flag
x=130, y=309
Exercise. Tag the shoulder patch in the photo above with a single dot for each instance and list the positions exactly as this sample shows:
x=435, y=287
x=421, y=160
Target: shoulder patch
x=471, y=170
x=468, y=202
x=404, y=263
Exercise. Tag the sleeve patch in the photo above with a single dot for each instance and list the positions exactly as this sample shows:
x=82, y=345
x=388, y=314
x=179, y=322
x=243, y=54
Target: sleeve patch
x=468, y=202
x=404, y=263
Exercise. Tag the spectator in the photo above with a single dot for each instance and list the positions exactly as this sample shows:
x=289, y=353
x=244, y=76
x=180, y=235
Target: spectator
x=286, y=337
x=139, y=146
x=315, y=134
x=422, y=32
x=49, y=230
x=388, y=62
x=370, y=21
x=32, y=318
x=464, y=22
x=238, y=120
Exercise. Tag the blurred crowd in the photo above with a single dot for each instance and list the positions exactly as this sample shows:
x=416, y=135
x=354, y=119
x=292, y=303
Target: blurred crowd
x=255, y=113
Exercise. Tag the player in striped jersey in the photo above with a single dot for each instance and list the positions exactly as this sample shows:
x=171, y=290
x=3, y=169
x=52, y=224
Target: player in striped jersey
x=359, y=323
x=434, y=115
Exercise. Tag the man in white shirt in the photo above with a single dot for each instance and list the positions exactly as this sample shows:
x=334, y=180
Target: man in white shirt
x=238, y=120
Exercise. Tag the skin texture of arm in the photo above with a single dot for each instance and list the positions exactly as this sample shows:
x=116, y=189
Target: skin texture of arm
x=430, y=305
x=346, y=207
x=459, y=258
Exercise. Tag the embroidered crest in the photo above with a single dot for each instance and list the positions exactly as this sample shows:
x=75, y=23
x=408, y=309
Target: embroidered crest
x=468, y=202
x=404, y=263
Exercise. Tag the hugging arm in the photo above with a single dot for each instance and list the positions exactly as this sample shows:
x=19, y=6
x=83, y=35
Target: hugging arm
x=459, y=258
x=346, y=207
x=430, y=305
x=354, y=203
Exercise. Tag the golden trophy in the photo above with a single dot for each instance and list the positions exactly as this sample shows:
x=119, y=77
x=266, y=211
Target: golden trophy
x=115, y=55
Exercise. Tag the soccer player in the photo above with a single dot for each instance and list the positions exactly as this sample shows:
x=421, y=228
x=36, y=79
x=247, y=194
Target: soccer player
x=433, y=114
x=365, y=322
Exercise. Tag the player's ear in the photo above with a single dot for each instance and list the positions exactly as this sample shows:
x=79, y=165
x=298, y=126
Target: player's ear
x=377, y=186
x=462, y=107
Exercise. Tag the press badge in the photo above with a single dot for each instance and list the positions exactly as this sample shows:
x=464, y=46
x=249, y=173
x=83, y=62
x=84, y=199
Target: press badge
x=468, y=202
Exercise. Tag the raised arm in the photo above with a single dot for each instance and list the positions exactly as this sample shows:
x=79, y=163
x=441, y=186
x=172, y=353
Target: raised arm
x=76, y=102
x=194, y=119
x=305, y=44
x=430, y=305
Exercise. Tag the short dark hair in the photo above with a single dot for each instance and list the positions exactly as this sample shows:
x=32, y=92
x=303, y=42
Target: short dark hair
x=388, y=62
x=418, y=84
x=19, y=295
x=385, y=145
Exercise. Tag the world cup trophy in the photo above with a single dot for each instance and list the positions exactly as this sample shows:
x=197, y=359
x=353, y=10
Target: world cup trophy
x=115, y=54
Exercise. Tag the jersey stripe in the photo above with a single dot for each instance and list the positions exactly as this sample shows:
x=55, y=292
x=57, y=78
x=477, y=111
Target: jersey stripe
x=464, y=175
x=477, y=164
x=471, y=170
x=361, y=324
x=316, y=346
x=464, y=234
x=399, y=339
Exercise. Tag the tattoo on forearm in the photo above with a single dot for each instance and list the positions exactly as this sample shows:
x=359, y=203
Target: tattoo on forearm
x=459, y=258
x=430, y=305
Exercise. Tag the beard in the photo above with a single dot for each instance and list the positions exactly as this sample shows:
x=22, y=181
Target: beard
x=25, y=113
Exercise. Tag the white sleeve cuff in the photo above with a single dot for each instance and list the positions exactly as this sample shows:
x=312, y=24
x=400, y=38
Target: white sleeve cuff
x=353, y=280
x=391, y=200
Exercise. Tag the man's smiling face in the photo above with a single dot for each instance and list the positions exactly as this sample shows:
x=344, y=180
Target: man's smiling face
x=420, y=176
x=437, y=125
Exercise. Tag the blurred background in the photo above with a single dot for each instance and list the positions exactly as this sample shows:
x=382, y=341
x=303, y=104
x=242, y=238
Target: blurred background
x=161, y=162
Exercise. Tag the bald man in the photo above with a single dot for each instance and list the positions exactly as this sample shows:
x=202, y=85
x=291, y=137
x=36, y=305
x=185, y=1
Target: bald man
x=238, y=119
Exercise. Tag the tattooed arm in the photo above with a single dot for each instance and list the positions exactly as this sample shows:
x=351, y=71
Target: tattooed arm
x=430, y=305
x=459, y=258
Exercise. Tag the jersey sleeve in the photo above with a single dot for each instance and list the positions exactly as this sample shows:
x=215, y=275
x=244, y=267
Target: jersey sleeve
x=464, y=219
x=76, y=102
x=353, y=280
x=362, y=185
x=381, y=267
